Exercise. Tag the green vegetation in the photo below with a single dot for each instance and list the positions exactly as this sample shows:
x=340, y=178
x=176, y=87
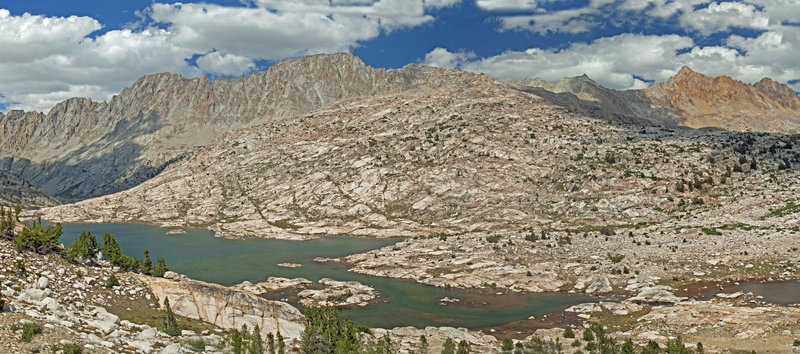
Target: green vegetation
x=114, y=253
x=568, y=333
x=615, y=258
x=170, y=325
x=325, y=332
x=789, y=208
x=39, y=239
x=112, y=250
x=85, y=247
x=112, y=281
x=195, y=345
x=68, y=348
x=28, y=330
x=6, y=222
x=711, y=231
x=507, y=346
x=463, y=347
x=493, y=238
x=160, y=268
x=244, y=341
x=449, y=347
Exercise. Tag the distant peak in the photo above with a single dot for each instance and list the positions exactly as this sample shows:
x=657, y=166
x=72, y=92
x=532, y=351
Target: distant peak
x=685, y=70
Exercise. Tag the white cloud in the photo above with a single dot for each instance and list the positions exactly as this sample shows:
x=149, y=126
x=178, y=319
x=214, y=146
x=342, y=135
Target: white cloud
x=36, y=36
x=615, y=61
x=493, y=5
x=443, y=58
x=566, y=21
x=224, y=64
x=611, y=61
x=435, y=4
x=719, y=17
x=54, y=58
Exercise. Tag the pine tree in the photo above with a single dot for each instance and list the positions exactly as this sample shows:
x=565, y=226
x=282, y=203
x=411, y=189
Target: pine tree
x=270, y=343
x=423, y=344
x=160, y=268
x=170, y=323
x=236, y=342
x=256, y=343
x=449, y=347
x=281, y=347
x=146, y=265
x=18, y=209
x=463, y=347
x=627, y=347
x=507, y=346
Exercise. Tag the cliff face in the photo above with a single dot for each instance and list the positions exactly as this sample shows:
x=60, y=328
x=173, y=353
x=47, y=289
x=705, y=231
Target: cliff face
x=225, y=307
x=82, y=149
x=14, y=190
x=696, y=101
x=688, y=99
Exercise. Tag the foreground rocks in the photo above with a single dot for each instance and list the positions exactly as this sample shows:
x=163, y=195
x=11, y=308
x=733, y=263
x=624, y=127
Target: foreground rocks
x=326, y=292
x=225, y=307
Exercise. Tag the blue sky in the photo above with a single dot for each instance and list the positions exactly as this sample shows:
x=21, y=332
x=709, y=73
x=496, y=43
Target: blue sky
x=96, y=48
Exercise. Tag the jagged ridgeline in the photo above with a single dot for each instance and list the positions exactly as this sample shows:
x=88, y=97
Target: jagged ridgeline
x=445, y=151
x=82, y=149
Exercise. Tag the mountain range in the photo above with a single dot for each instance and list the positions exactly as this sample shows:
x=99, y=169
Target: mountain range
x=83, y=149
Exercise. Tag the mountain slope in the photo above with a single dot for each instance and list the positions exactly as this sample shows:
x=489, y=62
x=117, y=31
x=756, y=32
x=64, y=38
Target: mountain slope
x=83, y=148
x=469, y=154
x=13, y=191
x=699, y=101
x=688, y=99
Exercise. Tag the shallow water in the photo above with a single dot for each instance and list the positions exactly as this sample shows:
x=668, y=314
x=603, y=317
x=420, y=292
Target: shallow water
x=778, y=292
x=201, y=256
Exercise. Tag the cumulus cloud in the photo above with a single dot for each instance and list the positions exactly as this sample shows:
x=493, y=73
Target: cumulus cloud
x=717, y=17
x=493, y=5
x=55, y=58
x=620, y=61
x=443, y=58
x=611, y=61
x=224, y=64
x=617, y=61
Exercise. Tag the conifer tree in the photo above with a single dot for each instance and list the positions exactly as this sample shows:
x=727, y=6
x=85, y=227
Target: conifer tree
x=170, y=323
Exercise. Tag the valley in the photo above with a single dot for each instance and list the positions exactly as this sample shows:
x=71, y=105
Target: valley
x=452, y=199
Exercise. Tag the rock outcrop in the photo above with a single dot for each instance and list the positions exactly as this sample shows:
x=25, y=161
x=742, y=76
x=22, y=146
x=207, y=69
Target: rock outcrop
x=697, y=101
x=687, y=99
x=82, y=148
x=14, y=190
x=225, y=307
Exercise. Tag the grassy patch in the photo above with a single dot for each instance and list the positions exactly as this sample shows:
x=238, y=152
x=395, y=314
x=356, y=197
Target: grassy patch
x=622, y=323
x=283, y=224
x=606, y=229
x=789, y=208
x=139, y=311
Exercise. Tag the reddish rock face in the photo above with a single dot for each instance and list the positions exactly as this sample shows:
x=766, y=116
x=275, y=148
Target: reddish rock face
x=697, y=101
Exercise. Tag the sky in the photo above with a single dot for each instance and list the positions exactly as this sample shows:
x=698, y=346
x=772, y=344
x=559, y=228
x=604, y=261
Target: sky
x=52, y=50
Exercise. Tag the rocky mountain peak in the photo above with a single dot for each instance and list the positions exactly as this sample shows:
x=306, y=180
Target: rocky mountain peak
x=702, y=101
x=576, y=84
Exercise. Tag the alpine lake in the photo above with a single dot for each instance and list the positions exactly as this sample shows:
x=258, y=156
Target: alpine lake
x=201, y=256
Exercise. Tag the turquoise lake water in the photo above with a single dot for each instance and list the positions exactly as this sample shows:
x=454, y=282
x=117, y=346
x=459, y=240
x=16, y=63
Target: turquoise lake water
x=201, y=256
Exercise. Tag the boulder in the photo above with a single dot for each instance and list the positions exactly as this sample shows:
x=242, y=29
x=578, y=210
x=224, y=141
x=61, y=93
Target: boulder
x=32, y=295
x=103, y=326
x=42, y=283
x=599, y=286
